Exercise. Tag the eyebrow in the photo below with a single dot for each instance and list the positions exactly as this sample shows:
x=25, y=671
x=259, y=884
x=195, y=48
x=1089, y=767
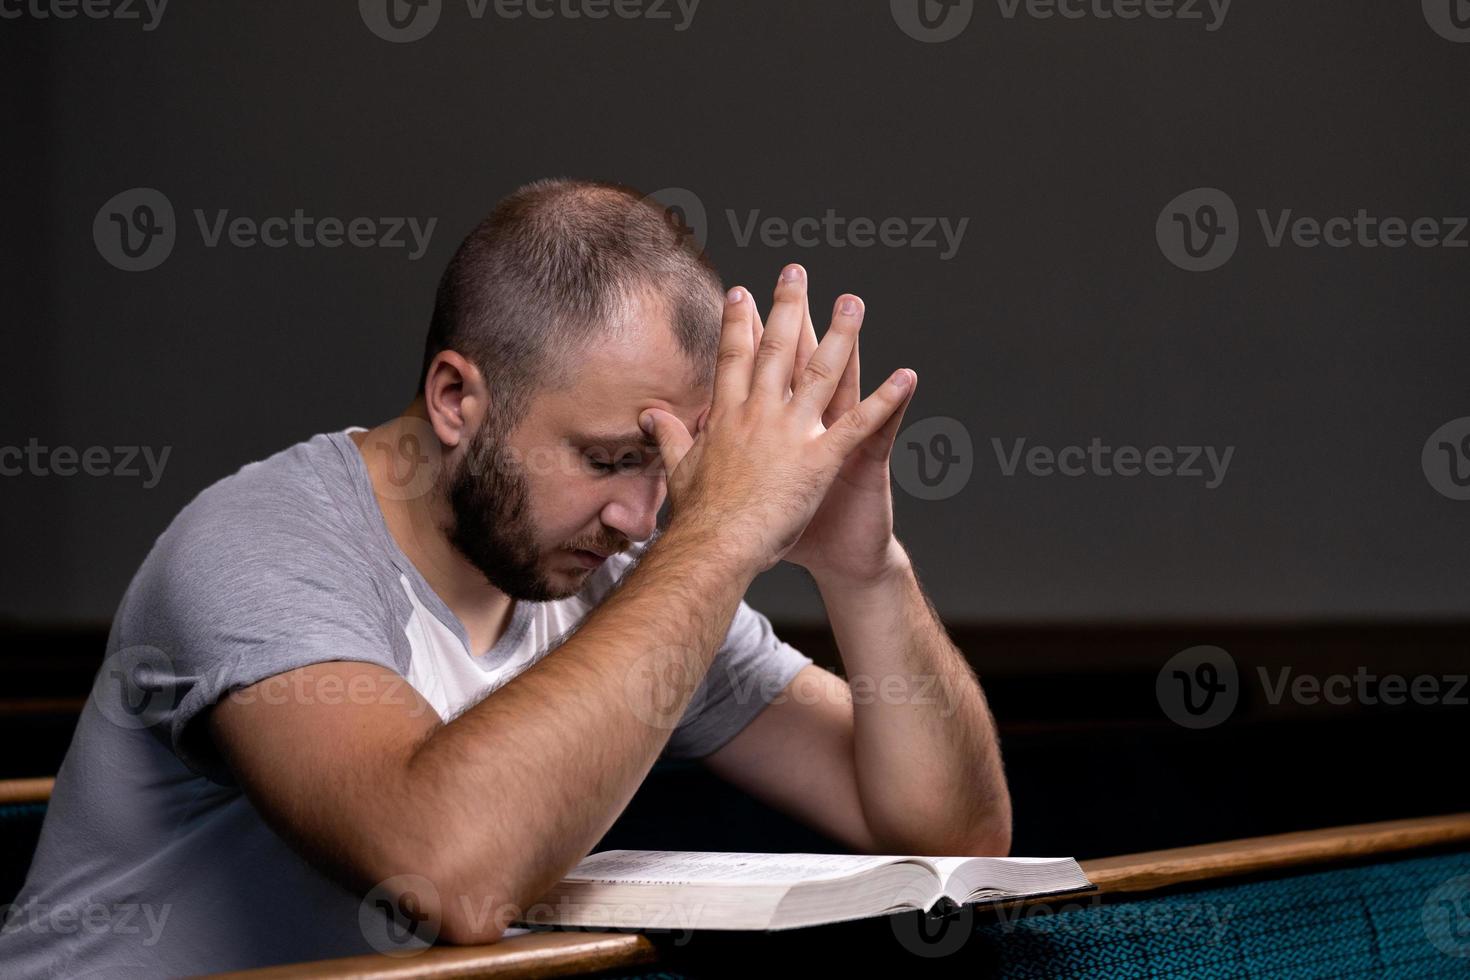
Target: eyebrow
x=618, y=440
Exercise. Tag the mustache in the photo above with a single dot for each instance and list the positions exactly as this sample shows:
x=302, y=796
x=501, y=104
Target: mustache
x=602, y=548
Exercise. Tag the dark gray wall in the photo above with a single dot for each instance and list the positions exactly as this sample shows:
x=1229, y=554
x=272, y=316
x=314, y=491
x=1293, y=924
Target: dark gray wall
x=1060, y=318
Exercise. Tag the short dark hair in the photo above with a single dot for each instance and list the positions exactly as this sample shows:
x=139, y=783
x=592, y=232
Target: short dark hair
x=550, y=269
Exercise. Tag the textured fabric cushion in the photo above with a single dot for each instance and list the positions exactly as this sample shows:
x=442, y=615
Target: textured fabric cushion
x=1404, y=918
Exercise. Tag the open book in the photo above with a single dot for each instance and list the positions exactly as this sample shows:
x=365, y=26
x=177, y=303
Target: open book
x=740, y=890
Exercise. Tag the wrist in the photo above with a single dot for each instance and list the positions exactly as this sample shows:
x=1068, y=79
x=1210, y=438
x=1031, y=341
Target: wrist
x=893, y=567
x=711, y=545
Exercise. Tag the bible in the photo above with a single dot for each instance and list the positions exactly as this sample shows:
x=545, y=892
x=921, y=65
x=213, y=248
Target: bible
x=755, y=891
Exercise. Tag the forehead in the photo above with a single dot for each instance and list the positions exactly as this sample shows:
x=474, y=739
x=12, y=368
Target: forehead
x=637, y=364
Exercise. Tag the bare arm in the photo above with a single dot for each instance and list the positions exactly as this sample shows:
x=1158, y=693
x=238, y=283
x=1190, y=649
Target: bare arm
x=496, y=805
x=926, y=754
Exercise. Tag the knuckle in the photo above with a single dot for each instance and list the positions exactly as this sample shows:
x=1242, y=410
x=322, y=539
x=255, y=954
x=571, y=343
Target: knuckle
x=817, y=372
x=772, y=345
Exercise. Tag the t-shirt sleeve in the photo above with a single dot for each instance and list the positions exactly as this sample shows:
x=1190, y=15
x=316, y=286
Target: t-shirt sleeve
x=208, y=615
x=751, y=668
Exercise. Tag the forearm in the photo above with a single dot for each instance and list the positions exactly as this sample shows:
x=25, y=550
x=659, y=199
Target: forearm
x=526, y=782
x=927, y=757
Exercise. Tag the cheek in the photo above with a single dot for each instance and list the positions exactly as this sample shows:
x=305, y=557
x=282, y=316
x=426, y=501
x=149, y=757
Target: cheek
x=564, y=503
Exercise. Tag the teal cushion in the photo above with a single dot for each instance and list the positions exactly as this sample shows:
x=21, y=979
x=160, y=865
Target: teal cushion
x=1403, y=918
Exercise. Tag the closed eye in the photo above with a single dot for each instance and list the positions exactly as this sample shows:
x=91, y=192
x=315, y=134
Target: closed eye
x=628, y=463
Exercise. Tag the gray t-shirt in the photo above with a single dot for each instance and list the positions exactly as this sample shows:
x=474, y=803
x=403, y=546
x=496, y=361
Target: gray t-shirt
x=152, y=862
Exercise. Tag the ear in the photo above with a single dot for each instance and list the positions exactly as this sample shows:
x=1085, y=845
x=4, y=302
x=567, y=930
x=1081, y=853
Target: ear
x=455, y=397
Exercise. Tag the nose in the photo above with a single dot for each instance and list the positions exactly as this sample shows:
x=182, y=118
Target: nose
x=633, y=511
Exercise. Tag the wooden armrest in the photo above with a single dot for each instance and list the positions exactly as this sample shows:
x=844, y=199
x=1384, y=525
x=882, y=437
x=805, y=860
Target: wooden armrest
x=538, y=954
x=1159, y=869
x=14, y=791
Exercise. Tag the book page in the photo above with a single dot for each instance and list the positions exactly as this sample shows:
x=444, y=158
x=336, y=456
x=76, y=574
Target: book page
x=946, y=866
x=1007, y=876
x=721, y=867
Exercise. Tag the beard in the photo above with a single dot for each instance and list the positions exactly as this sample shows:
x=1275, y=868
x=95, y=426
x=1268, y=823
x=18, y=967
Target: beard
x=492, y=525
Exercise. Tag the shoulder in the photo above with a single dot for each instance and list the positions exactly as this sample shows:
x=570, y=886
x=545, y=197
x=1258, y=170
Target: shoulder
x=272, y=522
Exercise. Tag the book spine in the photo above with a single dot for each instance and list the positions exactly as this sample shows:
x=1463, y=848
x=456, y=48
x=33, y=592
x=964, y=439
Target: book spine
x=944, y=907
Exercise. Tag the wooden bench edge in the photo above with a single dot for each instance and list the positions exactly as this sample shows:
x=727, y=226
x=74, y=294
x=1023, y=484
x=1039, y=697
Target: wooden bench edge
x=18, y=791
x=542, y=954
x=1159, y=869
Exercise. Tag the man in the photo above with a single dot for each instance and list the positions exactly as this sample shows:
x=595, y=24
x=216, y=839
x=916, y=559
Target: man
x=431, y=662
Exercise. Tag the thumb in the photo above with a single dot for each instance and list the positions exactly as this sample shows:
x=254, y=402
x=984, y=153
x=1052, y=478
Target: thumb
x=673, y=439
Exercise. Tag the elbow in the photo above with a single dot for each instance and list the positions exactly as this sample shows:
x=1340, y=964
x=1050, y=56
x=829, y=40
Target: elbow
x=992, y=837
x=994, y=842
x=987, y=834
x=471, y=912
x=458, y=929
x=448, y=900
